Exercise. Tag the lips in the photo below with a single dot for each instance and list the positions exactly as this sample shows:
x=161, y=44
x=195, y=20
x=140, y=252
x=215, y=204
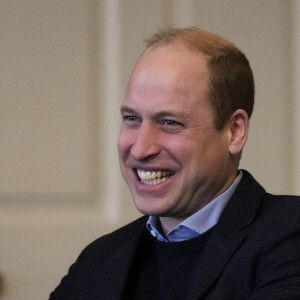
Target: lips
x=154, y=177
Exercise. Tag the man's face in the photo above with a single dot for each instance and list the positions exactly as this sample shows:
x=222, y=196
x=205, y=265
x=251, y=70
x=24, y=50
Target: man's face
x=171, y=156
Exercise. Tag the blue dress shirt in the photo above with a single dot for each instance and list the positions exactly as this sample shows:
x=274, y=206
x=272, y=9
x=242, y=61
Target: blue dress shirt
x=199, y=222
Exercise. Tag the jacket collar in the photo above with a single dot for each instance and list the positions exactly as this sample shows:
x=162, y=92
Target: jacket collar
x=228, y=235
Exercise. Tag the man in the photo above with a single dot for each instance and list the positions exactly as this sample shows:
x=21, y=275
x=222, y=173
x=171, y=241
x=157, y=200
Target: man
x=210, y=231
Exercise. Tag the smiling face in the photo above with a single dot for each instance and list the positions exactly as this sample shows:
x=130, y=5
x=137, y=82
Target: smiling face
x=171, y=156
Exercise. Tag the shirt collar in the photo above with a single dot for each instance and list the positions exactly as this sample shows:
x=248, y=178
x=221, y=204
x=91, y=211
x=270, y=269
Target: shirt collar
x=199, y=222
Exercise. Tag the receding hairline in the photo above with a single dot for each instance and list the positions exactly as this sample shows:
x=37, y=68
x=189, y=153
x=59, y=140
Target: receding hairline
x=230, y=78
x=192, y=38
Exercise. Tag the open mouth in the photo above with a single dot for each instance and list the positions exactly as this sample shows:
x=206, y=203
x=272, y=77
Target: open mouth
x=154, y=177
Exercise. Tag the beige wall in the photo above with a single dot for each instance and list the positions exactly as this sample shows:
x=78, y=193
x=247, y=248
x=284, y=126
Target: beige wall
x=63, y=67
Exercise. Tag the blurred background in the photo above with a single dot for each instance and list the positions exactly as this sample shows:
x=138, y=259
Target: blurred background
x=64, y=66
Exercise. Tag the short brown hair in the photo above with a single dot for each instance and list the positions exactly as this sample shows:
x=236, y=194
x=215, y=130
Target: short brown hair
x=231, y=83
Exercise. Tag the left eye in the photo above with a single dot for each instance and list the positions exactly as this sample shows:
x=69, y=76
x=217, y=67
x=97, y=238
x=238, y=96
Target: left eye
x=171, y=126
x=170, y=122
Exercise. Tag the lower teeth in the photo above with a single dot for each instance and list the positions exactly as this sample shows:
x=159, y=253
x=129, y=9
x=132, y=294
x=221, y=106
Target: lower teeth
x=155, y=181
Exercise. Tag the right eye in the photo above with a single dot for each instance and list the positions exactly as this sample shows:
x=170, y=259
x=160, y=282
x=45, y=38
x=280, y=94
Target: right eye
x=130, y=120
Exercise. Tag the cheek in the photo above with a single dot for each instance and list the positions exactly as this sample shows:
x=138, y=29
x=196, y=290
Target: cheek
x=181, y=150
x=217, y=154
x=193, y=153
x=125, y=141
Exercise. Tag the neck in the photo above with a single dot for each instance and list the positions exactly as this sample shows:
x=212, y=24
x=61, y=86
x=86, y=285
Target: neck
x=169, y=223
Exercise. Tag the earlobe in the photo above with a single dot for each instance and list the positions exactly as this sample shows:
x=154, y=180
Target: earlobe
x=239, y=124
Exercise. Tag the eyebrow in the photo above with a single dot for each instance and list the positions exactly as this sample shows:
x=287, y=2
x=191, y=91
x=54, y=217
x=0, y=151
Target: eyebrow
x=160, y=114
x=126, y=109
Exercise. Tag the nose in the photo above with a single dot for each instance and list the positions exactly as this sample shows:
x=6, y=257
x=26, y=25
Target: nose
x=146, y=143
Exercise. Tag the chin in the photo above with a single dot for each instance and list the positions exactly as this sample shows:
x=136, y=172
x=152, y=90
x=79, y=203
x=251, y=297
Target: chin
x=149, y=210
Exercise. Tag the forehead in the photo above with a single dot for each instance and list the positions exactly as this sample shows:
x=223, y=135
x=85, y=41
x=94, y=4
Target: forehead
x=168, y=75
x=171, y=63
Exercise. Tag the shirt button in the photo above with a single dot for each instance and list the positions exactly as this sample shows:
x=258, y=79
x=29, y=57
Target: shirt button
x=153, y=233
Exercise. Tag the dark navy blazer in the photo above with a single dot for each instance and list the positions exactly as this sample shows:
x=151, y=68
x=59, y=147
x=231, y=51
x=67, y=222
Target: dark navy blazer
x=253, y=253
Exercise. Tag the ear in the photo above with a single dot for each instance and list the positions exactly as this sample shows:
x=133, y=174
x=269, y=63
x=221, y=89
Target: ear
x=238, y=131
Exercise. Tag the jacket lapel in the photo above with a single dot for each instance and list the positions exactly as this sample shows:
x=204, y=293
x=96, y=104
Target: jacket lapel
x=227, y=236
x=216, y=254
x=111, y=282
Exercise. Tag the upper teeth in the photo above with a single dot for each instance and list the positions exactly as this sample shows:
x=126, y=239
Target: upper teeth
x=152, y=175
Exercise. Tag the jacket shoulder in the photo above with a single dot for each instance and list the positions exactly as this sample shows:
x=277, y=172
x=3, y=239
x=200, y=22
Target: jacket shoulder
x=98, y=258
x=281, y=208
